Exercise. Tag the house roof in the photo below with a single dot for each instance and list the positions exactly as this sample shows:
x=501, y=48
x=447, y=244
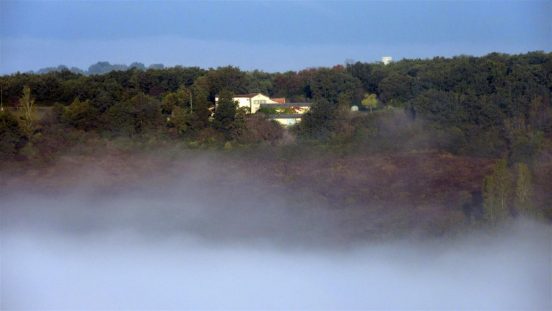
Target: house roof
x=247, y=95
x=286, y=105
x=279, y=100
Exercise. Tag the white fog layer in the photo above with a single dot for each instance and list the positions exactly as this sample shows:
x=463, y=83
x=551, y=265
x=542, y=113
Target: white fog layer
x=184, y=247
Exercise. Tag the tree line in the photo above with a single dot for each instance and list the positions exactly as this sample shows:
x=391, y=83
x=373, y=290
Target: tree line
x=493, y=105
x=497, y=106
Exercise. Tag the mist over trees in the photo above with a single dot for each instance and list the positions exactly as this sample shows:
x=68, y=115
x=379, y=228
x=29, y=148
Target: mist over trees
x=497, y=107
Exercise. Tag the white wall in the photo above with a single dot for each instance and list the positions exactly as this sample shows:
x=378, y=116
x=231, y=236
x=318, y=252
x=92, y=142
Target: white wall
x=287, y=121
x=253, y=104
x=243, y=102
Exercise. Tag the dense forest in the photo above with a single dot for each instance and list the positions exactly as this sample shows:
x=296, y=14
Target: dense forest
x=496, y=108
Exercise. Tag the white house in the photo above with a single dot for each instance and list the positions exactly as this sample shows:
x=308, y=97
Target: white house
x=277, y=109
x=251, y=101
x=386, y=60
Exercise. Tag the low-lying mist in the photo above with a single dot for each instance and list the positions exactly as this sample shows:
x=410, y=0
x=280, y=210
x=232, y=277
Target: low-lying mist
x=204, y=237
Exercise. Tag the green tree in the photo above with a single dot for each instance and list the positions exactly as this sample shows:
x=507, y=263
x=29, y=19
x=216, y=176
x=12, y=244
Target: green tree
x=180, y=119
x=103, y=100
x=12, y=137
x=225, y=114
x=81, y=115
x=199, y=118
x=134, y=116
x=189, y=109
x=370, y=101
x=497, y=192
x=396, y=88
x=226, y=78
x=170, y=101
x=524, y=191
x=319, y=122
x=26, y=106
x=239, y=127
x=146, y=112
x=330, y=83
x=259, y=129
x=119, y=119
x=540, y=115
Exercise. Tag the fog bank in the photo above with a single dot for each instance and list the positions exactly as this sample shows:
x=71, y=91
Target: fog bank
x=225, y=241
x=119, y=271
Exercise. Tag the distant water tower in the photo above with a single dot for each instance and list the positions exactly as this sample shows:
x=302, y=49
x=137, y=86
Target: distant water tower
x=386, y=60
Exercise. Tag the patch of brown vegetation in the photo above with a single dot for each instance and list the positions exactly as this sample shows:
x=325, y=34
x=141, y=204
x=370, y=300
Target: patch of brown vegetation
x=366, y=193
